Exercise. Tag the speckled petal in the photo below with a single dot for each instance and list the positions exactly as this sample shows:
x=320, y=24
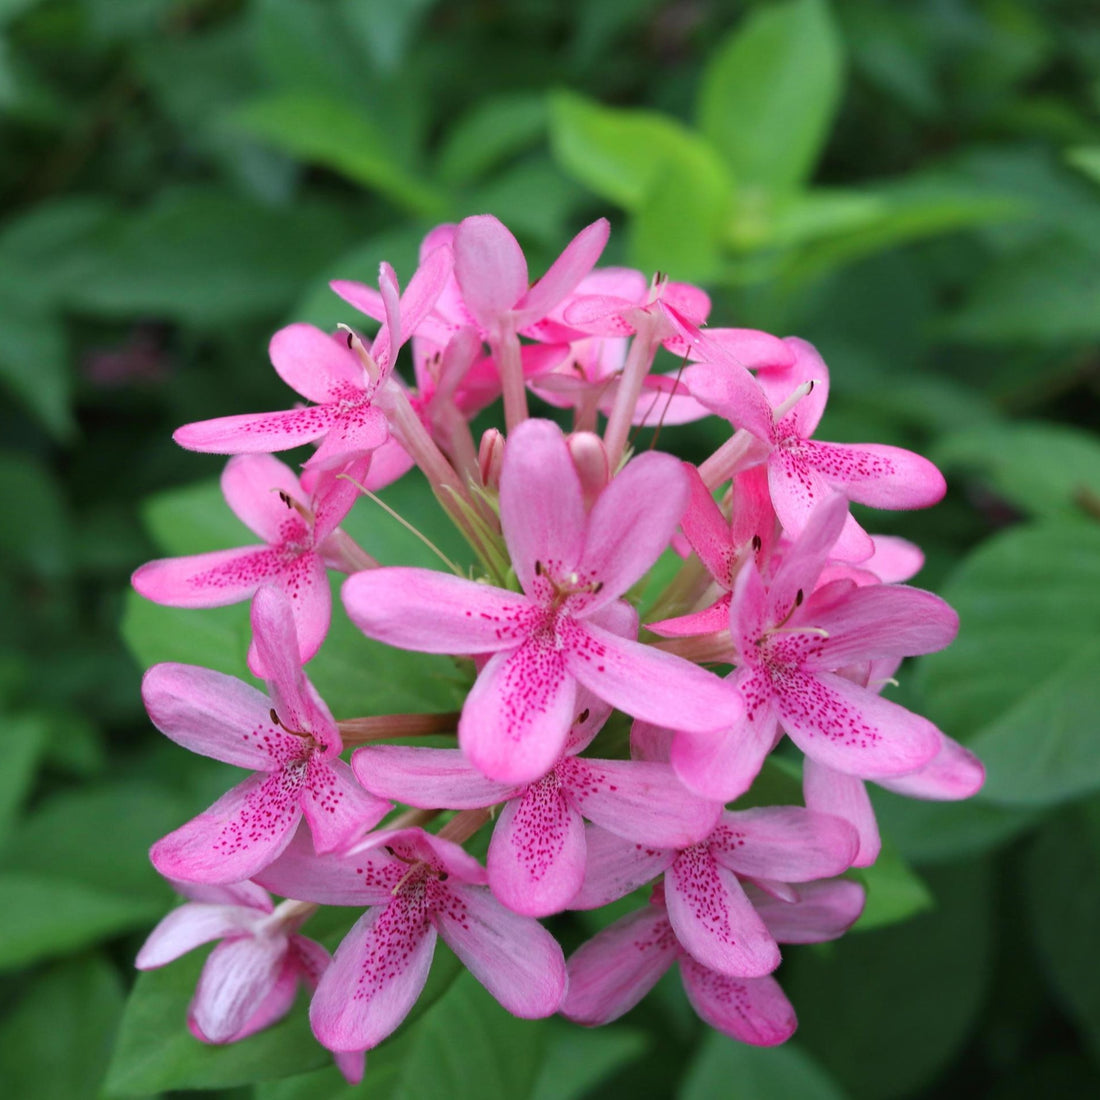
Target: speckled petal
x=208, y=580
x=249, y=433
x=616, y=867
x=319, y=366
x=832, y=792
x=338, y=810
x=427, y=778
x=754, y=1010
x=252, y=485
x=823, y=911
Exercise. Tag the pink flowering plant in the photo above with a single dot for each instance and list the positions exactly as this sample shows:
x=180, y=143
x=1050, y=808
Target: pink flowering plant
x=670, y=679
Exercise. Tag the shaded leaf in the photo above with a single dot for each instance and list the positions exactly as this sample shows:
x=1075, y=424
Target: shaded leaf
x=895, y=892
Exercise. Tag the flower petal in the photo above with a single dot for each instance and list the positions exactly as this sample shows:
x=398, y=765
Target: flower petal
x=427, y=778
x=823, y=911
x=304, y=580
x=252, y=485
x=576, y=260
x=337, y=808
x=249, y=433
x=536, y=856
x=514, y=957
x=617, y=867
x=831, y=792
x=237, y=978
x=490, y=268
x=208, y=580
x=953, y=773
x=754, y=1010
x=319, y=366
x=191, y=925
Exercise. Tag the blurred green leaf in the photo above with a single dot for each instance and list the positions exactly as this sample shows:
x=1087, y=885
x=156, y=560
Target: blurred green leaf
x=23, y=738
x=34, y=362
x=385, y=29
x=155, y=1050
x=40, y=542
x=759, y=1073
x=1063, y=894
x=533, y=197
x=55, y=1042
x=45, y=917
x=1086, y=159
x=770, y=91
x=885, y=1011
x=338, y=135
x=895, y=892
x=1043, y=469
x=1019, y=682
x=493, y=131
x=193, y=519
x=577, y=1059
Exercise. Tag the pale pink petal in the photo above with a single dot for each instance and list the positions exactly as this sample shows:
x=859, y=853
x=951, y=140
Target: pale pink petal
x=489, y=267
x=361, y=878
x=592, y=713
x=364, y=298
x=714, y=920
x=248, y=433
x=213, y=714
x=208, y=580
x=427, y=778
x=804, y=560
x=784, y=842
x=883, y=621
x=541, y=505
x=272, y=1008
x=309, y=959
x=237, y=978
x=614, y=970
x=664, y=401
x=247, y=894
x=641, y=801
x=725, y=387
x=953, y=773
x=447, y=857
x=514, y=957
x=875, y=474
x=190, y=925
x=754, y=1010
x=436, y=612
x=337, y=808
x=749, y=347
x=352, y=1064
x=335, y=492
x=780, y=384
x=239, y=835
x=354, y=433
x=617, y=867
x=252, y=485
x=845, y=796
x=824, y=911
x=895, y=559
x=851, y=729
x=600, y=314
x=632, y=523
x=518, y=713
x=320, y=367
x=575, y=262
x=304, y=580
x=389, y=462
x=536, y=856
x=713, y=620
x=708, y=530
x=376, y=976
x=649, y=684
x=424, y=288
x=691, y=302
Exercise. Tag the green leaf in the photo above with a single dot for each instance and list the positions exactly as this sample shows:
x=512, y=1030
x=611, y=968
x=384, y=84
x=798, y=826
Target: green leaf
x=46, y=917
x=40, y=541
x=494, y=130
x=23, y=738
x=1086, y=159
x=760, y=1073
x=336, y=134
x=770, y=92
x=578, y=1059
x=622, y=154
x=384, y=28
x=1063, y=894
x=894, y=891
x=1019, y=682
x=886, y=1010
x=155, y=1051
x=34, y=363
x=55, y=1041
x=193, y=520
x=1044, y=469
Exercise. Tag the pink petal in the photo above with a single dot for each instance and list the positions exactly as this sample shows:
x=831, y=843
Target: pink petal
x=435, y=612
x=272, y=1008
x=424, y=289
x=239, y=835
x=895, y=560
x=641, y=801
x=714, y=920
x=851, y=729
x=335, y=492
x=754, y=1010
x=517, y=715
x=309, y=959
x=337, y=808
x=376, y=976
x=749, y=347
x=824, y=911
x=883, y=621
x=575, y=262
x=725, y=387
x=845, y=796
x=784, y=842
x=875, y=474
x=354, y=433
x=320, y=367
x=451, y=860
x=536, y=856
x=249, y=433
x=212, y=714
x=953, y=773
x=236, y=980
x=188, y=927
x=208, y=580
x=364, y=298
x=712, y=620
x=247, y=894
x=614, y=970
x=252, y=485
x=514, y=957
x=304, y=580
x=617, y=867
x=490, y=268
x=632, y=523
x=708, y=530
x=649, y=684
x=389, y=462
x=779, y=384
x=427, y=778
x=541, y=504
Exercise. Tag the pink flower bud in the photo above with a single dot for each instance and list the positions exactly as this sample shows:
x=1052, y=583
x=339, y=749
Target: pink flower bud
x=490, y=457
x=590, y=458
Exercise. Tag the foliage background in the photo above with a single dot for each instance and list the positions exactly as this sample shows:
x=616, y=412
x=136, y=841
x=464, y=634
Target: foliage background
x=913, y=187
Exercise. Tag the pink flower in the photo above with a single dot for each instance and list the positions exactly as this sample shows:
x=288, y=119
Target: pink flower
x=302, y=537
x=417, y=886
x=289, y=739
x=611, y=973
x=537, y=855
x=567, y=626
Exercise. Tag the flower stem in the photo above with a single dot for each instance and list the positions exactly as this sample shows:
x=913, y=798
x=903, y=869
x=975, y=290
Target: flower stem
x=359, y=731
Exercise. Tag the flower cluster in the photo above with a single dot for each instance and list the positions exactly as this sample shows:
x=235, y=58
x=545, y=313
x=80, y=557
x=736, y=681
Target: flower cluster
x=780, y=615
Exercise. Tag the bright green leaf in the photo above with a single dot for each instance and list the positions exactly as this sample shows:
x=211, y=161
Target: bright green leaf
x=494, y=130
x=770, y=91
x=1086, y=158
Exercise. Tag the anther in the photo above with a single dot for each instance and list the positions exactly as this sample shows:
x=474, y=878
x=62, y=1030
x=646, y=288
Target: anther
x=583, y=716
x=538, y=568
x=757, y=543
x=798, y=598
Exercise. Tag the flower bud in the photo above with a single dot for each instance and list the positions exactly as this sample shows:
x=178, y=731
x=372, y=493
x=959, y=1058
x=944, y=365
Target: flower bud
x=590, y=458
x=490, y=456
